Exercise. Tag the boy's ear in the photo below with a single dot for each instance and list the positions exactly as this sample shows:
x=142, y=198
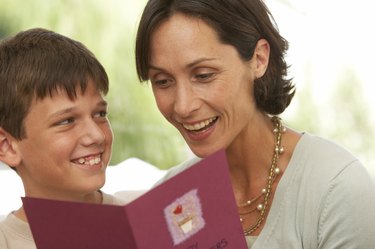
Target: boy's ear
x=8, y=149
x=262, y=56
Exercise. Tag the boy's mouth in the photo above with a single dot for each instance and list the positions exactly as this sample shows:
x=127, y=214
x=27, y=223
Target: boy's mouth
x=90, y=160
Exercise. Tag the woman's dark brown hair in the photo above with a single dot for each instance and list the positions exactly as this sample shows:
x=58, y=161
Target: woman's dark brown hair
x=240, y=23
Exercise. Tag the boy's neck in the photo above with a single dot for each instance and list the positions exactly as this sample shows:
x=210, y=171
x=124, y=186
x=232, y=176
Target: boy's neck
x=20, y=214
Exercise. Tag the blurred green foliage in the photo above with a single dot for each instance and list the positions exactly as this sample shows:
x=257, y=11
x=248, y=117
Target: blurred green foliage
x=345, y=117
x=108, y=29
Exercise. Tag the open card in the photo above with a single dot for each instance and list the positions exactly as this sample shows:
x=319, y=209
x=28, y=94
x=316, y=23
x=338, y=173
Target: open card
x=194, y=209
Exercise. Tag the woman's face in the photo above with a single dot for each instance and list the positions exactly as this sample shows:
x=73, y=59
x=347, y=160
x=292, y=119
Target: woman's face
x=201, y=85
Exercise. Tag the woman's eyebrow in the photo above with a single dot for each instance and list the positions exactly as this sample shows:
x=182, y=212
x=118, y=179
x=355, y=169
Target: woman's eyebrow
x=199, y=60
x=189, y=65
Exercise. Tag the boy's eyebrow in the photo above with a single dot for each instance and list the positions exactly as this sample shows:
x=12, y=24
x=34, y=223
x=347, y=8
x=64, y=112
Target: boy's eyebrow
x=101, y=103
x=61, y=112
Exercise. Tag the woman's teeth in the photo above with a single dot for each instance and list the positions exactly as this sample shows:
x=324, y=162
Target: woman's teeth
x=91, y=161
x=200, y=125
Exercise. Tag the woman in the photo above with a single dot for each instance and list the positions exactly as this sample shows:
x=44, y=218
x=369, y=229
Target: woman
x=218, y=74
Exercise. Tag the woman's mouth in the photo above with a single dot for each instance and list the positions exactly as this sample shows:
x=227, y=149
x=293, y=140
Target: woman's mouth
x=200, y=126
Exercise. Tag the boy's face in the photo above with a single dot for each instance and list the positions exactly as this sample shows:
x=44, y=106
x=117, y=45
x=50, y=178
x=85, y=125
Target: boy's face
x=67, y=146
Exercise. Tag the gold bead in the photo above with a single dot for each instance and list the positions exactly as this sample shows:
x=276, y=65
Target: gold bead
x=278, y=130
x=281, y=149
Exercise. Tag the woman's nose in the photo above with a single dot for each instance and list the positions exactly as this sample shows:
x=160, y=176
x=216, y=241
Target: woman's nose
x=186, y=100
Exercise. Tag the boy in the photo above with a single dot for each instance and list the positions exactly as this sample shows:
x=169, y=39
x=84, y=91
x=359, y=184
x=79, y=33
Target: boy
x=54, y=130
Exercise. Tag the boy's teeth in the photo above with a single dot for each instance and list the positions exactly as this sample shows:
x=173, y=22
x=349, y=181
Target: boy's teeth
x=91, y=161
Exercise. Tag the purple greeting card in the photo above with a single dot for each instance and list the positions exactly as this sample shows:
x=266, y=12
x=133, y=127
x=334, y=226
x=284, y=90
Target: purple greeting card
x=194, y=209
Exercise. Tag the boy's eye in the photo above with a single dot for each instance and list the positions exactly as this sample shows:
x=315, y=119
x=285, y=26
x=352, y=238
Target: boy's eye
x=101, y=114
x=65, y=121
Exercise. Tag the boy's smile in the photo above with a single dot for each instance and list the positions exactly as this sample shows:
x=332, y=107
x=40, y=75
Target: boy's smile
x=67, y=146
x=90, y=161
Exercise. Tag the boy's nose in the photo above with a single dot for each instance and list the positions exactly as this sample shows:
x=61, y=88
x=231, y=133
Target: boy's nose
x=93, y=134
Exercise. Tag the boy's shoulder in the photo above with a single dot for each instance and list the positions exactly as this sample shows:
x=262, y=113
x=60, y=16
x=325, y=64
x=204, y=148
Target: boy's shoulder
x=15, y=233
x=3, y=243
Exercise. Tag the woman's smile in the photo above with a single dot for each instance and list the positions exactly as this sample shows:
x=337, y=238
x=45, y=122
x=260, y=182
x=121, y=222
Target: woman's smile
x=201, y=130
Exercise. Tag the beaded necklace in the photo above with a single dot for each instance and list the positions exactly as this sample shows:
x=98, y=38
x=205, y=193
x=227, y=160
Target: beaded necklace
x=274, y=171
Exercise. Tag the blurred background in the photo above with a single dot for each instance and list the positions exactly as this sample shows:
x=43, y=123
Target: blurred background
x=331, y=57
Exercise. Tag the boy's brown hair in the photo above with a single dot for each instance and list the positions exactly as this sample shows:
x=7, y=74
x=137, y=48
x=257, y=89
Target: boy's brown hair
x=34, y=64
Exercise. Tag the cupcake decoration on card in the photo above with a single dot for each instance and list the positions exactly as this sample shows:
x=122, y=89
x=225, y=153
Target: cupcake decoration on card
x=184, y=217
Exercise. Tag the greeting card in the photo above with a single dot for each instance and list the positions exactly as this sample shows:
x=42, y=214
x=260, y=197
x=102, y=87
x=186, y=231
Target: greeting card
x=194, y=209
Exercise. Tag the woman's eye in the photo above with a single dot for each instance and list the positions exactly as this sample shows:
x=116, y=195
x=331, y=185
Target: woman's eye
x=162, y=83
x=204, y=76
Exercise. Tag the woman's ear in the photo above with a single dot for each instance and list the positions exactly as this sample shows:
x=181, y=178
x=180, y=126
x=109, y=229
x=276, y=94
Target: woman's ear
x=261, y=56
x=8, y=149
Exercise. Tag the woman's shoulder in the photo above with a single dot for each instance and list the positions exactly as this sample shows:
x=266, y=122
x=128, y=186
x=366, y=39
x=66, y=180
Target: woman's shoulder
x=324, y=147
x=326, y=167
x=319, y=163
x=323, y=154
